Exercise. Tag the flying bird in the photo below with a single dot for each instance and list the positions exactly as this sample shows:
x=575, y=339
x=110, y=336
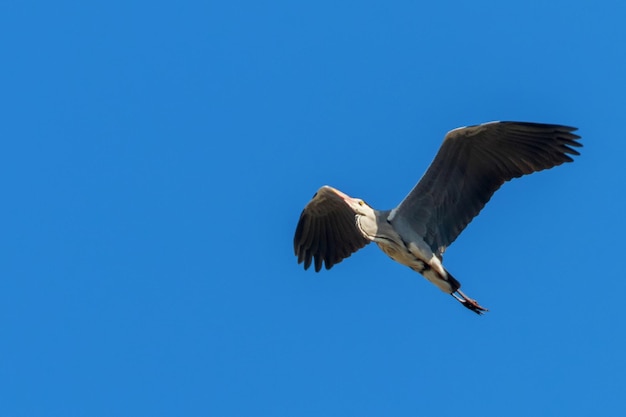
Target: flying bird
x=471, y=164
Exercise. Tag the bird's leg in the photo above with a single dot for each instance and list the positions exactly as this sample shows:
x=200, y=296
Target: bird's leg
x=468, y=302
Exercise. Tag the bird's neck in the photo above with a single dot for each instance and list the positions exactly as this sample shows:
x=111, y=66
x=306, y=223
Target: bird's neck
x=376, y=226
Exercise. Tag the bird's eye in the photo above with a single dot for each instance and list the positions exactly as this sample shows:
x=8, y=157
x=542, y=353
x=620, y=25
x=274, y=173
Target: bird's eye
x=361, y=202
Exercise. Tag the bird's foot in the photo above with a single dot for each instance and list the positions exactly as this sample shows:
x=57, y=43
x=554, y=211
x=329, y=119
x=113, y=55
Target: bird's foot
x=468, y=302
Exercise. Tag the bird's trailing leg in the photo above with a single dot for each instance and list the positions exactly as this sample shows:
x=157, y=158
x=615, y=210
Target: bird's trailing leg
x=468, y=302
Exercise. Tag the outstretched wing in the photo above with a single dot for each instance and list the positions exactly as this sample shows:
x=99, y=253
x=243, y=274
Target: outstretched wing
x=472, y=163
x=326, y=231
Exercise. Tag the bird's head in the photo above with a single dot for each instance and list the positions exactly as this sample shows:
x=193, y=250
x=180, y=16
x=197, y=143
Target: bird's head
x=365, y=216
x=359, y=206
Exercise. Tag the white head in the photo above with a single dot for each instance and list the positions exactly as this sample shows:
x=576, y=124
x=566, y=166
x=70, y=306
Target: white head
x=366, y=216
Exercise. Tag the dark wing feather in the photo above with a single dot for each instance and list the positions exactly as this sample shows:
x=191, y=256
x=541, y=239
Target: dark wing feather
x=472, y=163
x=326, y=232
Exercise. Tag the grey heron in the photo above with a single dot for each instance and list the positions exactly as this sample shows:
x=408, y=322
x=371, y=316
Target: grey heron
x=471, y=164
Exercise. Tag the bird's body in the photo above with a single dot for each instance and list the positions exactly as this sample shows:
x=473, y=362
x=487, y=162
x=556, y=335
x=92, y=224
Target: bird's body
x=471, y=165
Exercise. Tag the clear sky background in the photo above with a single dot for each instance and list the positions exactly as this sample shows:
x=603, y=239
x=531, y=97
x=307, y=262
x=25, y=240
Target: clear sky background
x=156, y=157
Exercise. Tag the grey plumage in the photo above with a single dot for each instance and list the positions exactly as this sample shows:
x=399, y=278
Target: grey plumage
x=326, y=231
x=471, y=164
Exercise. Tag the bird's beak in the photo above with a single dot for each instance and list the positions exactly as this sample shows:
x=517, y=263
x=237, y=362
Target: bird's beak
x=339, y=193
x=350, y=201
x=345, y=197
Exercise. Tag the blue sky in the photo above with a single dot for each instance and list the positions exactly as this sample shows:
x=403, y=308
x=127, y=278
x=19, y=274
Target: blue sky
x=155, y=160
